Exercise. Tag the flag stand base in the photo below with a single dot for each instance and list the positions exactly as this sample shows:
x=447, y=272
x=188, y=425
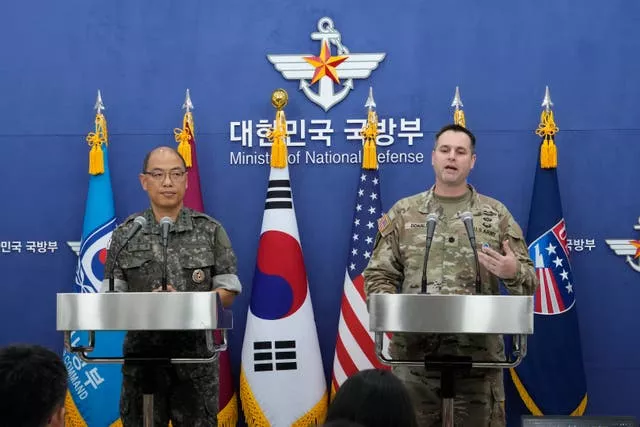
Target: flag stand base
x=448, y=366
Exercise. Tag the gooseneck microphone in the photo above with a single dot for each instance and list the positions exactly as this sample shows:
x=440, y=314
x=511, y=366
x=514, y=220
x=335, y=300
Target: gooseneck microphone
x=432, y=219
x=467, y=219
x=165, y=224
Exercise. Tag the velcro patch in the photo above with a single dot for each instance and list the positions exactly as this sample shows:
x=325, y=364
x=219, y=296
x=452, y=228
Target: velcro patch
x=384, y=224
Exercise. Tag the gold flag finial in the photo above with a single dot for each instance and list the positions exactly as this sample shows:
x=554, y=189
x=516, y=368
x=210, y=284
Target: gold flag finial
x=547, y=129
x=97, y=138
x=278, y=134
x=370, y=135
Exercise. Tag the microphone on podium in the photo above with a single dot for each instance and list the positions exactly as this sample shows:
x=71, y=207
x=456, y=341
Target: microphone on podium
x=165, y=224
x=432, y=219
x=467, y=219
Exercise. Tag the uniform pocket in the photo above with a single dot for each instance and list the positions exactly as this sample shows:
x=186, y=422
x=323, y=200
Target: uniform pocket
x=139, y=268
x=197, y=265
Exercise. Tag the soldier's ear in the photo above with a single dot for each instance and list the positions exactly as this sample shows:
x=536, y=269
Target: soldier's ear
x=143, y=181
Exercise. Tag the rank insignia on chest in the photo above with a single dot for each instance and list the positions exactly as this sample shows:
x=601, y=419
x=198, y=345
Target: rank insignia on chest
x=197, y=276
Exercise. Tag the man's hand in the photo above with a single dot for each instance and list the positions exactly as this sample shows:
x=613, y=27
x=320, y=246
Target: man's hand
x=226, y=296
x=169, y=289
x=503, y=266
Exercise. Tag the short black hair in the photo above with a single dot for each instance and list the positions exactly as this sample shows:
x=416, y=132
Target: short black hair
x=33, y=385
x=145, y=161
x=373, y=398
x=457, y=128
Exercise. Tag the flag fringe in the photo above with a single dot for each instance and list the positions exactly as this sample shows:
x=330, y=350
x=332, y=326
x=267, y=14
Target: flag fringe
x=316, y=415
x=531, y=405
x=72, y=416
x=252, y=412
x=255, y=417
x=228, y=416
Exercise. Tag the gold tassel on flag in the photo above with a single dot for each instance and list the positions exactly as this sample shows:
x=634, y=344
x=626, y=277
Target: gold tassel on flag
x=278, y=134
x=95, y=141
x=370, y=135
x=183, y=136
x=458, y=114
x=458, y=118
x=547, y=129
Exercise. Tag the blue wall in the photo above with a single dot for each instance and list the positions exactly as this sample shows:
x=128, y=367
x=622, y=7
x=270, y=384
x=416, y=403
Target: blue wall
x=501, y=54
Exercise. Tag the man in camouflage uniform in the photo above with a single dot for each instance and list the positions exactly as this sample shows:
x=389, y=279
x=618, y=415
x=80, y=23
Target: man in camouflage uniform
x=199, y=258
x=397, y=262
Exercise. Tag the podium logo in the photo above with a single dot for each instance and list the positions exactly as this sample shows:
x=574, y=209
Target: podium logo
x=325, y=69
x=628, y=248
x=274, y=355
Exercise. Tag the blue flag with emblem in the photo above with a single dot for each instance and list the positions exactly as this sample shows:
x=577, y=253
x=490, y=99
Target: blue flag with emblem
x=94, y=389
x=551, y=379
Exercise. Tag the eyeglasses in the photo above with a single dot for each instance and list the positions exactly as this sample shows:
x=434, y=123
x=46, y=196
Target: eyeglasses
x=176, y=175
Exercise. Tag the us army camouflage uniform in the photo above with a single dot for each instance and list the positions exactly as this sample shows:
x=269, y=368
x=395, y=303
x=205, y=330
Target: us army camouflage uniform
x=396, y=266
x=199, y=258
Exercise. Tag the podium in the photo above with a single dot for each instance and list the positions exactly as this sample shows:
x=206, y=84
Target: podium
x=141, y=311
x=452, y=314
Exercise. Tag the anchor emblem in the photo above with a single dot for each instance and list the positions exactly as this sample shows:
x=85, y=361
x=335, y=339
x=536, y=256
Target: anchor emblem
x=325, y=69
x=629, y=248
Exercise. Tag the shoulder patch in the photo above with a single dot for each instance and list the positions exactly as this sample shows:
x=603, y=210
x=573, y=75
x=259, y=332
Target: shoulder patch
x=384, y=224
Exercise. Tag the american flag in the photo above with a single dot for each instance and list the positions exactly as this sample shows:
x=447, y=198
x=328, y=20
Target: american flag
x=355, y=349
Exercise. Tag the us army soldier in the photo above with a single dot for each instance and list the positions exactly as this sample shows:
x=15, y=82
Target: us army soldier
x=397, y=262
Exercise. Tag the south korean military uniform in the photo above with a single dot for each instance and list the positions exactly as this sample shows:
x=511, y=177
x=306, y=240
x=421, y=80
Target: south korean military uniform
x=199, y=259
x=396, y=266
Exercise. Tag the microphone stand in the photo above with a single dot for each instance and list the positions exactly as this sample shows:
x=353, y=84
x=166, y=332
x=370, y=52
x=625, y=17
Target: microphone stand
x=164, y=267
x=431, y=225
x=113, y=268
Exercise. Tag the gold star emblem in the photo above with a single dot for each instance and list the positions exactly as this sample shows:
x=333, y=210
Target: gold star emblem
x=325, y=64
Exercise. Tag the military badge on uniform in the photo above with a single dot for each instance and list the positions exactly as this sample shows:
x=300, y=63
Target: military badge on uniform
x=383, y=222
x=198, y=276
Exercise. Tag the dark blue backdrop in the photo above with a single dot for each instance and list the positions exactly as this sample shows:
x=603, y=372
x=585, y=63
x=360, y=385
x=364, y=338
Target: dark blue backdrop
x=143, y=55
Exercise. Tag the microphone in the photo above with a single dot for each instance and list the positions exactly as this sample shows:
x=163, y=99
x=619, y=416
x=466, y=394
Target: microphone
x=432, y=219
x=467, y=219
x=165, y=224
x=138, y=223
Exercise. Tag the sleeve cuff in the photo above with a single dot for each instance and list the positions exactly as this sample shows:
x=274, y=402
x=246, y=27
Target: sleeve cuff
x=229, y=282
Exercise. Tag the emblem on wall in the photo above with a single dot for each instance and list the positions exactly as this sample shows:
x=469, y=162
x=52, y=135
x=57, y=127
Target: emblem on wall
x=628, y=248
x=326, y=70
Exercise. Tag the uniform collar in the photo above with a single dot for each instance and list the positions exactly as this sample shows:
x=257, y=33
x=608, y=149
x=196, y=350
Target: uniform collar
x=184, y=222
x=428, y=203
